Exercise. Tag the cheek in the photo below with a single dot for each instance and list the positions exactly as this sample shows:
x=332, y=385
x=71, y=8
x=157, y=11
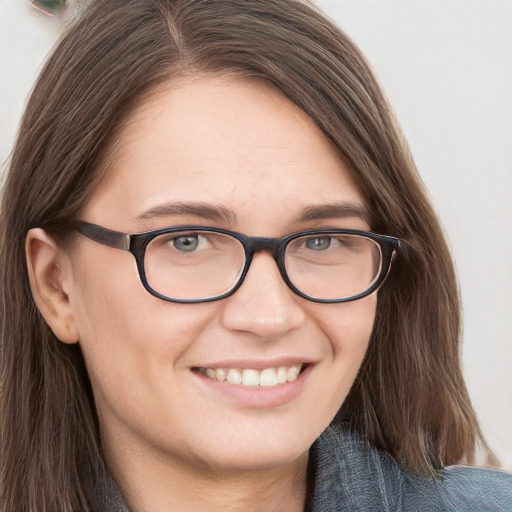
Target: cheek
x=349, y=327
x=111, y=305
x=124, y=332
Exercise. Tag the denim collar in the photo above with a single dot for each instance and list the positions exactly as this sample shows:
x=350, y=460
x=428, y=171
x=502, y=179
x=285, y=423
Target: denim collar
x=342, y=472
x=346, y=474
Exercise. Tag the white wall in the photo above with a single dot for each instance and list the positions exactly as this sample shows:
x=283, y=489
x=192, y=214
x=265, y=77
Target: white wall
x=25, y=38
x=446, y=66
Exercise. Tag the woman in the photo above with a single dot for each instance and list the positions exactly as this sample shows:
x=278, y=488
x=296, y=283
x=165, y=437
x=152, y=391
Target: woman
x=245, y=353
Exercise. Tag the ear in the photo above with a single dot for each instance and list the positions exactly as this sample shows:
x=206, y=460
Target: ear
x=49, y=271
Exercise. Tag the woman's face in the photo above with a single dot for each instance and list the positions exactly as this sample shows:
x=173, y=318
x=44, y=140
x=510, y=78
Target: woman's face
x=264, y=169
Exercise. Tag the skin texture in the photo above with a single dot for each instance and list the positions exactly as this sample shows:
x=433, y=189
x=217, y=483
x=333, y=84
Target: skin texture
x=168, y=432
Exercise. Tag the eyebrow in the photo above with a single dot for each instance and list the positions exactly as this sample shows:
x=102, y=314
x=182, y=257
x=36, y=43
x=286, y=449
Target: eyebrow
x=204, y=210
x=341, y=210
x=220, y=213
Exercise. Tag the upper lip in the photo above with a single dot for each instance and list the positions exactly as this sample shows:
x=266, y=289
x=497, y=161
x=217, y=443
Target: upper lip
x=256, y=364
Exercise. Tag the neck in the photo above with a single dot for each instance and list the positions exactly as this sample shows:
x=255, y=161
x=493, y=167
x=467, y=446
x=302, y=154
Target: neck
x=153, y=484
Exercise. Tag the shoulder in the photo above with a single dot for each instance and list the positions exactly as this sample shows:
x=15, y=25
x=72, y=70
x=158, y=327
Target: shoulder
x=487, y=489
x=351, y=475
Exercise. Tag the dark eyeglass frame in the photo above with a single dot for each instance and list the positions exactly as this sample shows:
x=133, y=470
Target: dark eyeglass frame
x=137, y=244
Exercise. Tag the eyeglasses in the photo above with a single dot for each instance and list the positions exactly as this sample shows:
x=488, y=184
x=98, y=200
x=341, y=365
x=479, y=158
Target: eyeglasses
x=191, y=264
x=49, y=7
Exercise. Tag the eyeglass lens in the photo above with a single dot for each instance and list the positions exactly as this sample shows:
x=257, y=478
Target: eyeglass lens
x=333, y=266
x=187, y=265
x=192, y=265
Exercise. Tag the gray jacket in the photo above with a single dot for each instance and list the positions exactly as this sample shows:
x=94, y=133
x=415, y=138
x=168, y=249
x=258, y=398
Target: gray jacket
x=349, y=475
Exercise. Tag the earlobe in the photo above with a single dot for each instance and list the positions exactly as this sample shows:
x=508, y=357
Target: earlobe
x=49, y=272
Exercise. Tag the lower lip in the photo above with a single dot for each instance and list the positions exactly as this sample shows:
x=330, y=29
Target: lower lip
x=258, y=397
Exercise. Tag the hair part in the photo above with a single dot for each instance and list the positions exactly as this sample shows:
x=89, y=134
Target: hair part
x=409, y=397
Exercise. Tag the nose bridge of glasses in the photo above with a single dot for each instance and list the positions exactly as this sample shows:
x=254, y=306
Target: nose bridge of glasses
x=260, y=243
x=272, y=245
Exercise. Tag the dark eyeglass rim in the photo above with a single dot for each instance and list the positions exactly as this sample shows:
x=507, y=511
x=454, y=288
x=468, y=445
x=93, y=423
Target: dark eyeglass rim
x=42, y=7
x=136, y=244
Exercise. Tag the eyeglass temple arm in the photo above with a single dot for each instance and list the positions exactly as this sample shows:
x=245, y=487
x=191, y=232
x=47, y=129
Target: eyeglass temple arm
x=103, y=236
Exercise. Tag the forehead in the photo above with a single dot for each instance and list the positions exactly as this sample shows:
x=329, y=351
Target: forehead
x=228, y=141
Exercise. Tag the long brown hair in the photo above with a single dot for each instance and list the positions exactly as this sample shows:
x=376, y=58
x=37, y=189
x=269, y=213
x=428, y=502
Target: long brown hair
x=409, y=397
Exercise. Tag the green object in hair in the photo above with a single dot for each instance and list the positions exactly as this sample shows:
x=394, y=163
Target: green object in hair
x=49, y=7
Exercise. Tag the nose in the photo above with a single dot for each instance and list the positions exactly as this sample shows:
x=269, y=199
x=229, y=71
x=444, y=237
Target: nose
x=263, y=305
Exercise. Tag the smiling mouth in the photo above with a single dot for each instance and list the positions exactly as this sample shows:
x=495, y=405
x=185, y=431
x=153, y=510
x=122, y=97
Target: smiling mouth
x=268, y=377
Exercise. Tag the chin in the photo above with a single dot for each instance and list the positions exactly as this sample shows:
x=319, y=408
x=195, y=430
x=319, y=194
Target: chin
x=259, y=453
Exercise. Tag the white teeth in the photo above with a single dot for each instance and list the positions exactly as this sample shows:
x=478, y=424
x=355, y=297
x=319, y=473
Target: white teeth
x=220, y=374
x=268, y=377
x=292, y=373
x=281, y=375
x=234, y=376
x=250, y=378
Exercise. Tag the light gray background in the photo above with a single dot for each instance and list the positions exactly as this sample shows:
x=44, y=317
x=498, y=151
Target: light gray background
x=446, y=66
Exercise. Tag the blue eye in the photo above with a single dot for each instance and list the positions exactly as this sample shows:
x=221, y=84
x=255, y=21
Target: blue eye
x=319, y=243
x=186, y=243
